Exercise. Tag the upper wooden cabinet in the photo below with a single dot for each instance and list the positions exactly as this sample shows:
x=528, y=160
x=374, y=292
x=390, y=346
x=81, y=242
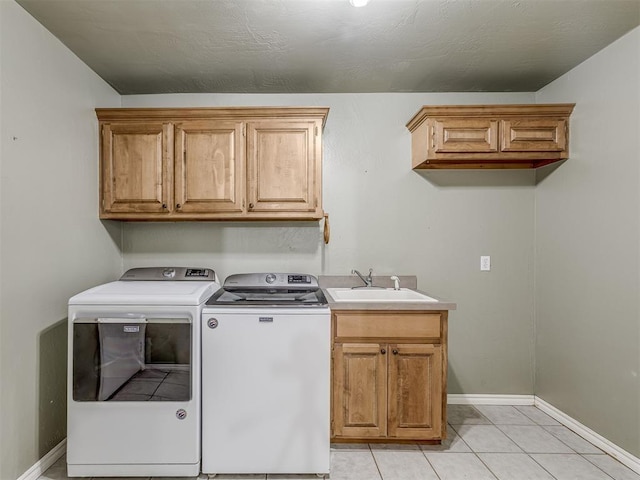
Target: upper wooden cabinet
x=282, y=166
x=489, y=136
x=211, y=163
x=135, y=171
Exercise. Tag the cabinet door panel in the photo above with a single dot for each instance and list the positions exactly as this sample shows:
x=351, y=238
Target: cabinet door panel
x=283, y=166
x=534, y=135
x=415, y=391
x=360, y=379
x=457, y=135
x=209, y=167
x=136, y=167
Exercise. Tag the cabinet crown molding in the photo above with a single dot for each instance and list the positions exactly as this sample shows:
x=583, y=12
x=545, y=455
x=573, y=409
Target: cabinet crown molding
x=471, y=111
x=218, y=113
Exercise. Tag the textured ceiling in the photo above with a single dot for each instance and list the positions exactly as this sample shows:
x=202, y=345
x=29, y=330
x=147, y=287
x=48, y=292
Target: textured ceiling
x=295, y=46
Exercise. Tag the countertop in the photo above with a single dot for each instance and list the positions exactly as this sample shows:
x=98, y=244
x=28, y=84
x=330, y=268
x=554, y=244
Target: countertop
x=406, y=281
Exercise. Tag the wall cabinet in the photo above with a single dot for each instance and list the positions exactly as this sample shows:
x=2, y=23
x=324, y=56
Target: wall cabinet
x=211, y=163
x=490, y=136
x=389, y=375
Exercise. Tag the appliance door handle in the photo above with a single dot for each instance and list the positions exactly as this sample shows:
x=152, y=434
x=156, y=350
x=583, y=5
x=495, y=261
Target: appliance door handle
x=122, y=320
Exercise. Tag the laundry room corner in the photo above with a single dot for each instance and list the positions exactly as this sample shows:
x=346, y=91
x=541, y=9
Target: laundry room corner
x=52, y=243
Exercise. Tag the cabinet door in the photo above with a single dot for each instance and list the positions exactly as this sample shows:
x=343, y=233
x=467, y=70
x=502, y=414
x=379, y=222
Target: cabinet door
x=415, y=391
x=360, y=390
x=533, y=135
x=137, y=162
x=209, y=167
x=283, y=164
x=465, y=136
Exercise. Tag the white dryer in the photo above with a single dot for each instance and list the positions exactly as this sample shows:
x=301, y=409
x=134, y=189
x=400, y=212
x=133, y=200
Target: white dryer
x=134, y=374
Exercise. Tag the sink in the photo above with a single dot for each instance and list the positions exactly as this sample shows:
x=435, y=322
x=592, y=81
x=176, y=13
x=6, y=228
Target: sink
x=377, y=295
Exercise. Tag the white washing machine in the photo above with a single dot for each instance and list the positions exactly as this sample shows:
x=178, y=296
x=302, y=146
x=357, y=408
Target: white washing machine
x=134, y=393
x=266, y=353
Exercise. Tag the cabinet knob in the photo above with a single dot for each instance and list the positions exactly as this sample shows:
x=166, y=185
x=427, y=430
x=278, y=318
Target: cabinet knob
x=164, y=205
x=251, y=205
x=394, y=351
x=383, y=351
x=178, y=205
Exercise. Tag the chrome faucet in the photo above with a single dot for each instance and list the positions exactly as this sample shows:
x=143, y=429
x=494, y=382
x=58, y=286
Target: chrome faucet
x=396, y=282
x=368, y=280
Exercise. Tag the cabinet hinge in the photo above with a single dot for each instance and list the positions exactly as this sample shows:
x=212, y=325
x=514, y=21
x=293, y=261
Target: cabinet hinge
x=316, y=131
x=244, y=131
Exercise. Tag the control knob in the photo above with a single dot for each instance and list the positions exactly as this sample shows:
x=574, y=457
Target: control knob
x=270, y=278
x=168, y=273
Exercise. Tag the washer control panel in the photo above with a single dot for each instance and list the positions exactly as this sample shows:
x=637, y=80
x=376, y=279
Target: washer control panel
x=270, y=280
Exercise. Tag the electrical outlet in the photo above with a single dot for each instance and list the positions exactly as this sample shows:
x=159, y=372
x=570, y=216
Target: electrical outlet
x=485, y=263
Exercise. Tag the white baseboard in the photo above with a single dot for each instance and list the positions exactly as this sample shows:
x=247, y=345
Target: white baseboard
x=474, y=399
x=596, y=439
x=45, y=462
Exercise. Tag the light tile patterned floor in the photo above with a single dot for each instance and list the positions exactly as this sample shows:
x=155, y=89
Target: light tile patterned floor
x=485, y=442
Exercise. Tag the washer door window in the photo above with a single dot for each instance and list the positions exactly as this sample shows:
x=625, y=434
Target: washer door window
x=132, y=359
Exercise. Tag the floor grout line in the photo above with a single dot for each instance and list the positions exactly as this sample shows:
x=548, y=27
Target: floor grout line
x=375, y=462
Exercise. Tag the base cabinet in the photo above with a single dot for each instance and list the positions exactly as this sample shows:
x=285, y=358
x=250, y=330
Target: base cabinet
x=389, y=376
x=415, y=391
x=360, y=393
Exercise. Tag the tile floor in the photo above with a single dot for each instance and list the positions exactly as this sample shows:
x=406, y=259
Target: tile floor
x=484, y=442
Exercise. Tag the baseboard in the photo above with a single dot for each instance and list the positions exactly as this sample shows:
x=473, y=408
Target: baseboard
x=596, y=439
x=480, y=399
x=45, y=462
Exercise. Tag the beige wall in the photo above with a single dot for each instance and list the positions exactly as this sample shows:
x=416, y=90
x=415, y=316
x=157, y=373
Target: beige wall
x=587, y=250
x=52, y=244
x=386, y=216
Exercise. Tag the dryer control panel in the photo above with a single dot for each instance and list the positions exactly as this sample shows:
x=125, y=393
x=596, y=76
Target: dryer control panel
x=175, y=274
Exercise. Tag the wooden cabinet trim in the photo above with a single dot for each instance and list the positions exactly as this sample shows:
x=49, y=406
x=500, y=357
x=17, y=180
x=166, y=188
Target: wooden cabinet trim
x=492, y=111
x=210, y=113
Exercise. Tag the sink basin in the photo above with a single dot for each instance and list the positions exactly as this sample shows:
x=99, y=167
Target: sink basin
x=377, y=295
